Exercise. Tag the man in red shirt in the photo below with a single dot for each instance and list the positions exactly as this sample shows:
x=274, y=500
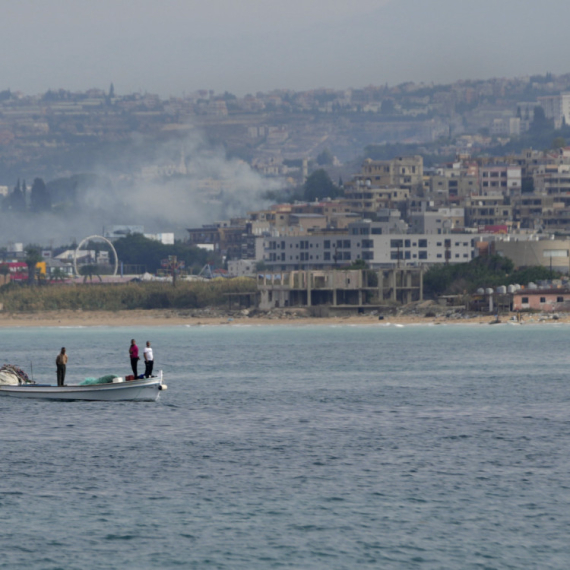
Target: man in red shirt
x=134, y=354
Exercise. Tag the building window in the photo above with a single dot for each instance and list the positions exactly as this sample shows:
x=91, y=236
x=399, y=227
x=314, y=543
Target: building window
x=524, y=300
x=346, y=244
x=543, y=299
x=407, y=243
x=422, y=243
x=367, y=244
x=396, y=243
x=376, y=231
x=327, y=244
x=327, y=256
x=560, y=299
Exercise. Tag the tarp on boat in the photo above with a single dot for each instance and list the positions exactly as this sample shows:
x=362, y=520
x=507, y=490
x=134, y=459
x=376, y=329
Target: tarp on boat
x=107, y=379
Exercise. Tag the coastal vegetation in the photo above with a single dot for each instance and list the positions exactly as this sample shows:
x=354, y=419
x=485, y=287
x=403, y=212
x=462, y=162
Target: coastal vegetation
x=483, y=271
x=115, y=297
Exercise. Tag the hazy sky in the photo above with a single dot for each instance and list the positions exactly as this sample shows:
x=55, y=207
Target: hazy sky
x=175, y=46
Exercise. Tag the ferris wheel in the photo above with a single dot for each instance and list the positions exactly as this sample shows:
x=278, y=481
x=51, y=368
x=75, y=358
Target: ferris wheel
x=92, y=238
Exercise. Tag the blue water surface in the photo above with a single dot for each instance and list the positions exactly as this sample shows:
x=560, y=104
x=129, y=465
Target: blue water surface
x=317, y=447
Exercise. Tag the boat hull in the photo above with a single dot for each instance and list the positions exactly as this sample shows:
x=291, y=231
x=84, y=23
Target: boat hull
x=144, y=390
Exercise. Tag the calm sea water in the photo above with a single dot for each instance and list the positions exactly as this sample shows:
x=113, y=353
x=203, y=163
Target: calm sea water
x=294, y=447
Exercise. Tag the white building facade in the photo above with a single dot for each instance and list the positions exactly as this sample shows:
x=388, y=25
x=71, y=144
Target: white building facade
x=329, y=250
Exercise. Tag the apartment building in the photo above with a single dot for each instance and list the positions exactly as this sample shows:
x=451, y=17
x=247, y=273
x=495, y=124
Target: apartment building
x=529, y=210
x=552, y=179
x=443, y=221
x=501, y=178
x=365, y=198
x=330, y=249
x=405, y=172
x=557, y=107
x=489, y=210
x=453, y=187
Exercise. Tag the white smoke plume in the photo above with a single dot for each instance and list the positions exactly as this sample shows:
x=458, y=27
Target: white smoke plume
x=166, y=187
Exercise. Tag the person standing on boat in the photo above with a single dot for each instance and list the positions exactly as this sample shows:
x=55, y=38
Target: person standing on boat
x=148, y=360
x=61, y=363
x=134, y=354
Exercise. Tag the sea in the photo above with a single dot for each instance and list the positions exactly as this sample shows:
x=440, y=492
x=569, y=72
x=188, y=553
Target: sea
x=308, y=447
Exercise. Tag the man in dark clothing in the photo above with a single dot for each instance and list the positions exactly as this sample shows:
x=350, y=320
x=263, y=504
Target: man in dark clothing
x=61, y=363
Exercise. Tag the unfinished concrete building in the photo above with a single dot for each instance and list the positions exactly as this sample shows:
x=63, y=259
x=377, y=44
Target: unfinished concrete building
x=344, y=289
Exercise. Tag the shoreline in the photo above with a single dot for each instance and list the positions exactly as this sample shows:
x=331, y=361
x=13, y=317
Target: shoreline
x=155, y=318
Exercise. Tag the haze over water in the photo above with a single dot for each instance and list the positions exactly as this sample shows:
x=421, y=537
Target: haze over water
x=304, y=447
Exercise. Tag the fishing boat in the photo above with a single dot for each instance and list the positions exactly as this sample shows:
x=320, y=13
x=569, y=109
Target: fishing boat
x=118, y=390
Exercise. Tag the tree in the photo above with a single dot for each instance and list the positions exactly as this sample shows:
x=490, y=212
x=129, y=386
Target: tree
x=387, y=107
x=40, y=200
x=17, y=200
x=33, y=257
x=558, y=142
x=135, y=249
x=4, y=271
x=88, y=271
x=318, y=186
x=58, y=274
x=325, y=157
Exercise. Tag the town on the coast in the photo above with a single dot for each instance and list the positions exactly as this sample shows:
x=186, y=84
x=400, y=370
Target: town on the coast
x=352, y=201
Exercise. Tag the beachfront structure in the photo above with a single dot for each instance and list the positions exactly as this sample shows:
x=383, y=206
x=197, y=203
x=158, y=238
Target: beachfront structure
x=365, y=241
x=343, y=290
x=546, y=300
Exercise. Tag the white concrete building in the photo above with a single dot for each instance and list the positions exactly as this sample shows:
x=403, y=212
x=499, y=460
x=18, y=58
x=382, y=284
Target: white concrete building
x=557, y=107
x=327, y=249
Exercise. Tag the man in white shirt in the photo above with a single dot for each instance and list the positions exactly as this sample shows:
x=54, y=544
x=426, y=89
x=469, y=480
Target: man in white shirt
x=148, y=360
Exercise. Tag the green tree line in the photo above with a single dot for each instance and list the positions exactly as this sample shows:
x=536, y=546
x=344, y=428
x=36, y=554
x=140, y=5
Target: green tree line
x=483, y=271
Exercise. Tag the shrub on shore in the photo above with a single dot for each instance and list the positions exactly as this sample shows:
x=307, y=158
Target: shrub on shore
x=115, y=297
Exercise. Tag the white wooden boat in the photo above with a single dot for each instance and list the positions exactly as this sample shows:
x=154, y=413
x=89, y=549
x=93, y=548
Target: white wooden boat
x=120, y=390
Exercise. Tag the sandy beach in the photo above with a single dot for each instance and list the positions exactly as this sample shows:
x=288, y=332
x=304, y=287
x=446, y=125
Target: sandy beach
x=147, y=318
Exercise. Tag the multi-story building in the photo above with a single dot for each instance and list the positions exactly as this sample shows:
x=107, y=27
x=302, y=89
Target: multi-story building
x=453, y=187
x=365, y=198
x=557, y=107
x=489, y=210
x=335, y=249
x=404, y=172
x=501, y=178
x=443, y=221
x=552, y=180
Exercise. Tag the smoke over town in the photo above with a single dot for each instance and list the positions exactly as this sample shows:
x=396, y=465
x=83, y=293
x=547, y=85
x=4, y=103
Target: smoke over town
x=166, y=187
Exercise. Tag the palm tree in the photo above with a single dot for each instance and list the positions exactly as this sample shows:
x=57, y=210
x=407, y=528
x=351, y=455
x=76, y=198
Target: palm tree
x=33, y=257
x=4, y=271
x=88, y=271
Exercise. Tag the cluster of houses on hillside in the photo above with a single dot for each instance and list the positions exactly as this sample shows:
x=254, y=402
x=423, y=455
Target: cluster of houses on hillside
x=396, y=213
